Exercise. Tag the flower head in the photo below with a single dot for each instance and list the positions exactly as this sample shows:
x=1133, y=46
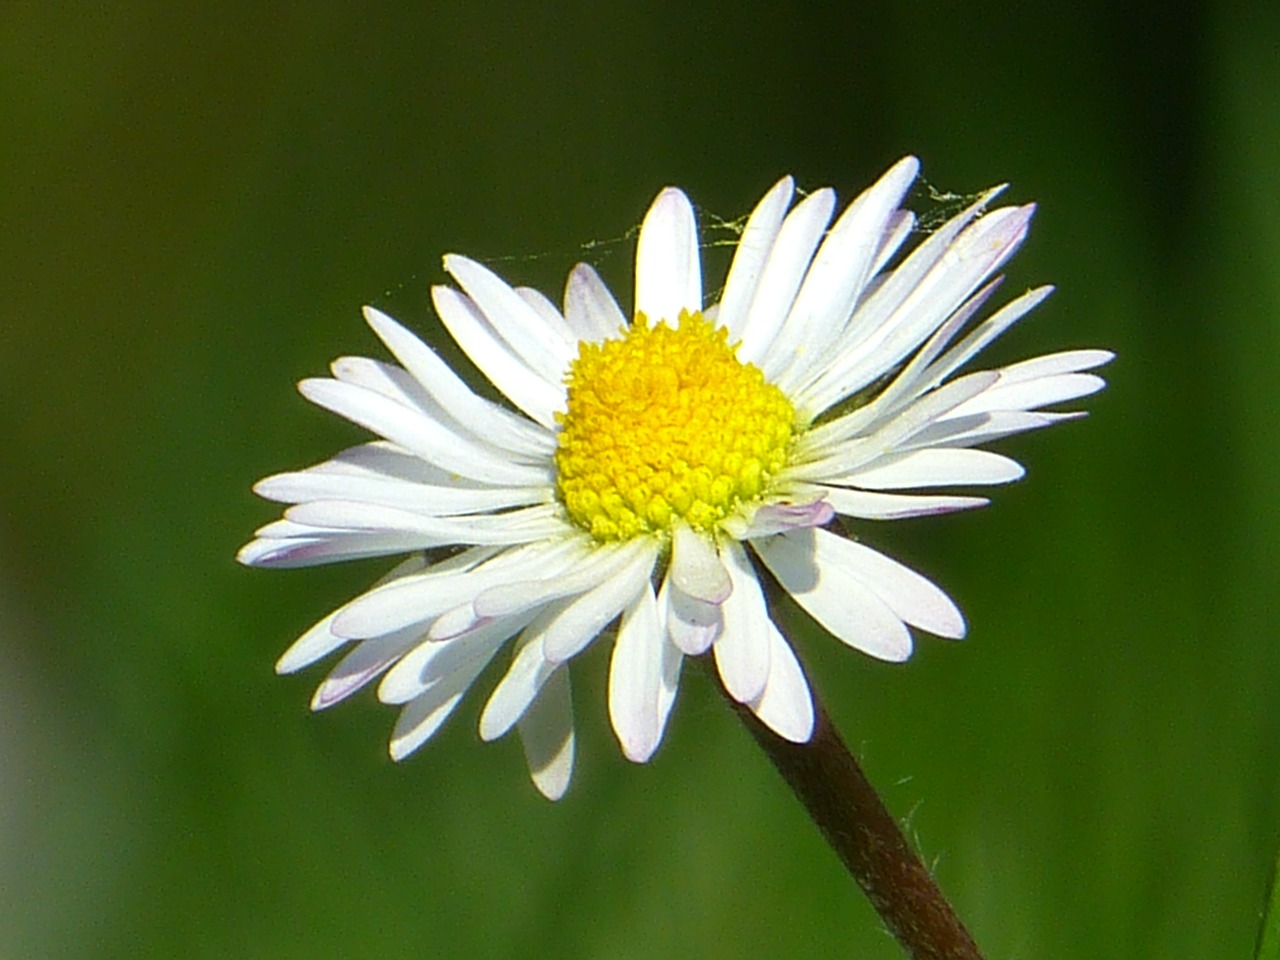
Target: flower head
x=648, y=467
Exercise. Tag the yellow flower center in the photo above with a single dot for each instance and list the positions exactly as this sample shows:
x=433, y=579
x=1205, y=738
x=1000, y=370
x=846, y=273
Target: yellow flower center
x=667, y=423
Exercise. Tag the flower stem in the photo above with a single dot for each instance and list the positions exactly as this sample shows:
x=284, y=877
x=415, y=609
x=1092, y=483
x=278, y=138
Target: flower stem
x=828, y=781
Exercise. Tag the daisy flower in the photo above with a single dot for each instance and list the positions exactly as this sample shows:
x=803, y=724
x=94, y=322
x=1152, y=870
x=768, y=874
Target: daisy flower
x=645, y=471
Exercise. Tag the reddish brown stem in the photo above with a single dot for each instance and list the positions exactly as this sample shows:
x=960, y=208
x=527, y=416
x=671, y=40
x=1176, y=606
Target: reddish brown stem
x=828, y=781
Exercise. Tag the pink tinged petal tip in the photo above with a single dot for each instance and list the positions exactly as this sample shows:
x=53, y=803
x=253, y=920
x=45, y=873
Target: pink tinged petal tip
x=781, y=517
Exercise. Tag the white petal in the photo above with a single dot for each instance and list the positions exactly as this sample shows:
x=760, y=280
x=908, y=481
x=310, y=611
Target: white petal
x=546, y=731
x=419, y=433
x=988, y=330
x=382, y=459
x=429, y=663
x=643, y=674
x=914, y=598
x=592, y=566
x=547, y=348
x=582, y=619
x=781, y=517
x=332, y=547
x=835, y=281
x=742, y=652
x=668, y=268
x=696, y=571
x=545, y=309
x=511, y=526
x=935, y=468
x=537, y=396
x=786, y=705
x=421, y=718
x=1051, y=364
x=423, y=498
x=909, y=307
x=481, y=417
x=750, y=256
x=693, y=625
x=783, y=272
x=844, y=459
x=320, y=640
x=385, y=379
x=519, y=686
x=897, y=229
x=867, y=505
x=832, y=595
x=361, y=665
x=915, y=379
x=422, y=597
x=589, y=307
x=981, y=428
x=1031, y=394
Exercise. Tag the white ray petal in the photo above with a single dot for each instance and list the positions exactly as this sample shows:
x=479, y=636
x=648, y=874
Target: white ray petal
x=422, y=597
x=545, y=308
x=782, y=517
x=427, y=499
x=332, y=547
x=546, y=347
x=593, y=566
x=915, y=379
x=1031, y=394
x=537, y=396
x=382, y=459
x=589, y=307
x=416, y=431
x=320, y=640
x=981, y=428
x=511, y=526
x=361, y=665
x=934, y=467
x=897, y=229
x=742, y=652
x=546, y=732
x=786, y=705
x=519, y=686
x=668, y=267
x=869, y=505
x=835, y=281
x=483, y=418
x=909, y=307
x=911, y=596
x=643, y=674
x=429, y=663
x=834, y=596
x=696, y=570
x=692, y=624
x=842, y=459
x=421, y=718
x=783, y=272
x=385, y=379
x=582, y=619
x=750, y=257
x=984, y=333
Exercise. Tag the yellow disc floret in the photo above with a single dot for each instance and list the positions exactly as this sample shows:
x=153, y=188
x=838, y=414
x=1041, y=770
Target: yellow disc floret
x=667, y=423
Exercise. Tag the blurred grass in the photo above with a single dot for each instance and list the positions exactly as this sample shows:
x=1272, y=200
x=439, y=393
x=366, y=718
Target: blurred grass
x=198, y=200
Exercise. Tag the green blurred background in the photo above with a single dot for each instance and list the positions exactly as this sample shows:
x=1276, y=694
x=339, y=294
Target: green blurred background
x=197, y=199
